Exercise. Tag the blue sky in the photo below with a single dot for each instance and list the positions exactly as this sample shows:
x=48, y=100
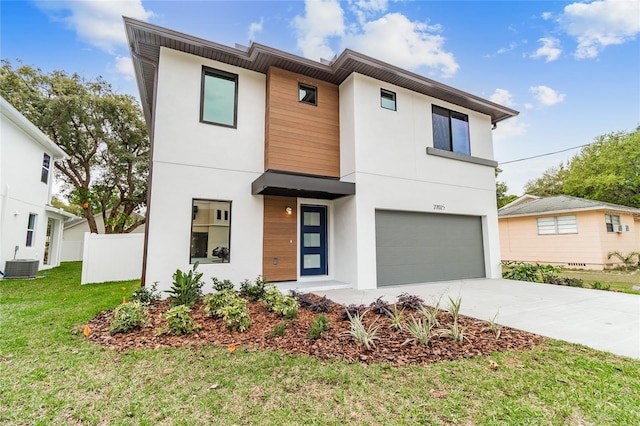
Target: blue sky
x=572, y=68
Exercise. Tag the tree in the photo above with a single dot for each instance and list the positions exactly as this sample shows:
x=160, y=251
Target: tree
x=607, y=170
x=103, y=133
x=502, y=198
x=73, y=209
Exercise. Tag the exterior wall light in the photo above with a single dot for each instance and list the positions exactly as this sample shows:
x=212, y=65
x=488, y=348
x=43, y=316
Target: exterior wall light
x=289, y=210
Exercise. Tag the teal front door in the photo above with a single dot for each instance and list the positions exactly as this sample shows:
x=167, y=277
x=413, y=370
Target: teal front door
x=313, y=240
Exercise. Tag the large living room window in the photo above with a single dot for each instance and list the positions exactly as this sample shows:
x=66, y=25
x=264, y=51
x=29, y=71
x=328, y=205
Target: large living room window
x=557, y=225
x=219, y=100
x=612, y=221
x=450, y=130
x=210, y=231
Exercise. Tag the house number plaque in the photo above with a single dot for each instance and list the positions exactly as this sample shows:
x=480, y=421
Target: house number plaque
x=438, y=207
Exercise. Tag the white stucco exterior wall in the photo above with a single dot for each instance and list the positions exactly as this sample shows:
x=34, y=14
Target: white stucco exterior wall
x=204, y=161
x=384, y=152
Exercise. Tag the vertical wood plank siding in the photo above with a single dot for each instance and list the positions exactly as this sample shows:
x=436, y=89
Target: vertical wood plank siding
x=299, y=137
x=280, y=239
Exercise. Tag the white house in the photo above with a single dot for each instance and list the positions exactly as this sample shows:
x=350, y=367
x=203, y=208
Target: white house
x=30, y=228
x=354, y=170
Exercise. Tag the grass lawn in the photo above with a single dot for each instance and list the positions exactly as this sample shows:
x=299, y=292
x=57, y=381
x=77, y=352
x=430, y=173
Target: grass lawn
x=49, y=375
x=617, y=280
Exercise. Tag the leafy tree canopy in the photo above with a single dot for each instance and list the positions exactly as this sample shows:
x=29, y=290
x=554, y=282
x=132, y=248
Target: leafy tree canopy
x=103, y=133
x=502, y=198
x=607, y=170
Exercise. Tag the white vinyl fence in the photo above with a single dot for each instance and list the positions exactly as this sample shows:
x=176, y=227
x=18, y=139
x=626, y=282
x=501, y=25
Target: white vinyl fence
x=112, y=257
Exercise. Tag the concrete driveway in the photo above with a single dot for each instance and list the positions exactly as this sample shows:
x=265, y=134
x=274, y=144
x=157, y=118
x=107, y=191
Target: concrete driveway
x=602, y=320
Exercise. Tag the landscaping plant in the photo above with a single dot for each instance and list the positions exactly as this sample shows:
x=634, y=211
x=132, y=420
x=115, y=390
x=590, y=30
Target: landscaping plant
x=186, y=287
x=128, y=316
x=311, y=301
x=521, y=271
x=179, y=321
x=409, y=301
x=362, y=334
x=420, y=329
x=631, y=260
x=352, y=310
x=254, y=291
x=222, y=285
x=146, y=295
x=380, y=307
x=319, y=325
x=397, y=316
x=230, y=307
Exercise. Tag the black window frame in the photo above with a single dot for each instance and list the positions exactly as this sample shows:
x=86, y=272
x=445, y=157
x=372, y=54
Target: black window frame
x=384, y=92
x=213, y=72
x=450, y=114
x=195, y=210
x=46, y=167
x=306, y=87
x=31, y=229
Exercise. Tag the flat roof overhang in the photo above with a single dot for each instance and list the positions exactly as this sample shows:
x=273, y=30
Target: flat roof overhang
x=287, y=184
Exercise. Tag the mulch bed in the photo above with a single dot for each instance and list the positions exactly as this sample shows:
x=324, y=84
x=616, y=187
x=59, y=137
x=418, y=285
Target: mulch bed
x=391, y=346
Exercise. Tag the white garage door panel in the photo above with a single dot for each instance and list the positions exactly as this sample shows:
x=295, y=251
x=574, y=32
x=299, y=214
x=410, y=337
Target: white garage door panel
x=421, y=247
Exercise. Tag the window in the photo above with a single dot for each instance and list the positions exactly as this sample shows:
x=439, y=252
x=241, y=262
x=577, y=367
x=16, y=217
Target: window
x=307, y=94
x=612, y=221
x=46, y=164
x=450, y=131
x=219, y=98
x=387, y=99
x=210, y=231
x=557, y=225
x=31, y=229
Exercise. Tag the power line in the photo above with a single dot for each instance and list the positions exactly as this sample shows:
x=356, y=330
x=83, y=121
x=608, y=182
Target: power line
x=544, y=155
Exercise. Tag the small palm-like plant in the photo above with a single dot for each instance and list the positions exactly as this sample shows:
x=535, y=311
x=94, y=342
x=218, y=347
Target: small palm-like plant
x=628, y=260
x=362, y=334
x=396, y=317
x=420, y=329
x=187, y=287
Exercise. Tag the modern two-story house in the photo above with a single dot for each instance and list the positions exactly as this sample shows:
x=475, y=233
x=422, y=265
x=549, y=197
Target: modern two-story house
x=30, y=228
x=353, y=170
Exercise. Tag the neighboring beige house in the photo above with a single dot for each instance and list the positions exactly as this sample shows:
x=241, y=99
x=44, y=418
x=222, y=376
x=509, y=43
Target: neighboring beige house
x=567, y=231
x=73, y=236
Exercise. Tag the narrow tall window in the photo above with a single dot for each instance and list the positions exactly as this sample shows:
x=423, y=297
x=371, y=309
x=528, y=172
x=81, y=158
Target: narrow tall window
x=450, y=131
x=307, y=94
x=210, y=231
x=387, y=99
x=219, y=98
x=46, y=165
x=31, y=229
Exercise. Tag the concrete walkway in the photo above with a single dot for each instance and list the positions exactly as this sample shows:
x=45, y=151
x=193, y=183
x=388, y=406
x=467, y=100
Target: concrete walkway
x=602, y=320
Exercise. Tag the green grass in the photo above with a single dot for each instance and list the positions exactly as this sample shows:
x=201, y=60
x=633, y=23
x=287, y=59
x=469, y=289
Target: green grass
x=618, y=280
x=50, y=376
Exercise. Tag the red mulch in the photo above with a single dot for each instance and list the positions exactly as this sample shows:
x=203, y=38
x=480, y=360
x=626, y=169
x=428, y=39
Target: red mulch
x=390, y=346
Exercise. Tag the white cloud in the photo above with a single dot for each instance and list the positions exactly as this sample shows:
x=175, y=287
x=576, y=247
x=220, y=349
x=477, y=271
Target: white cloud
x=546, y=96
x=124, y=66
x=600, y=24
x=322, y=19
x=547, y=15
x=98, y=22
x=255, y=28
x=372, y=5
x=396, y=39
x=550, y=49
x=509, y=129
x=502, y=97
x=502, y=50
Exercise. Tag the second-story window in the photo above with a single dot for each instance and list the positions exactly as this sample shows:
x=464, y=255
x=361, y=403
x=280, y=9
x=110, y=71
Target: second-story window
x=219, y=100
x=387, y=99
x=450, y=130
x=307, y=94
x=46, y=165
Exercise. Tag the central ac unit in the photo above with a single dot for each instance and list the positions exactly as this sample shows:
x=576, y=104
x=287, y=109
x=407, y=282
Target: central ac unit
x=21, y=268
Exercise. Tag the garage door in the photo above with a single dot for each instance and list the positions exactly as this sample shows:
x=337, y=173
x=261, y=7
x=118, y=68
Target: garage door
x=421, y=247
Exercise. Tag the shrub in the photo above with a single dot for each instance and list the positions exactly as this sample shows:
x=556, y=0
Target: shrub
x=277, y=302
x=409, y=301
x=179, y=321
x=350, y=311
x=312, y=302
x=128, y=316
x=235, y=315
x=254, y=292
x=280, y=329
x=380, y=307
x=420, y=329
x=186, y=288
x=571, y=282
x=521, y=271
x=146, y=295
x=629, y=260
x=319, y=325
x=213, y=302
x=599, y=286
x=222, y=285
x=363, y=335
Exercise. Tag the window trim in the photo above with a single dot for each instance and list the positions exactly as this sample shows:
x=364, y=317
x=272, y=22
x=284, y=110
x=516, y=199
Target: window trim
x=31, y=230
x=556, y=225
x=451, y=114
x=213, y=72
x=46, y=168
x=194, y=211
x=307, y=86
x=393, y=95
